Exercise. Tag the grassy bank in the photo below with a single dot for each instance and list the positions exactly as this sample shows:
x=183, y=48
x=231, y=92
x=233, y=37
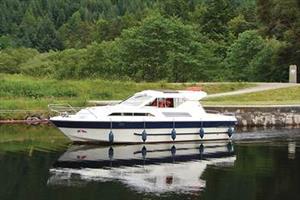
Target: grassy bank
x=27, y=93
x=282, y=96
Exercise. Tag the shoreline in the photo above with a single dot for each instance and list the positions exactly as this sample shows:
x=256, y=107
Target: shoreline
x=247, y=115
x=262, y=115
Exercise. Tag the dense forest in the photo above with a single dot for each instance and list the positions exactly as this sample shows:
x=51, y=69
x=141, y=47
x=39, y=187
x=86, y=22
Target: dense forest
x=150, y=40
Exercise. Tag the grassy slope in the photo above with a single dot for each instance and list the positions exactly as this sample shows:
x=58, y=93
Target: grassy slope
x=277, y=96
x=20, y=92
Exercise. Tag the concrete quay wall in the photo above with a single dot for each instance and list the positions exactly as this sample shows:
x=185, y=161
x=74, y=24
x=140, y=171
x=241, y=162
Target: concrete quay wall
x=263, y=116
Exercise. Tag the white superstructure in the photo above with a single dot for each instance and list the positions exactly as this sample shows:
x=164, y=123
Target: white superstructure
x=147, y=116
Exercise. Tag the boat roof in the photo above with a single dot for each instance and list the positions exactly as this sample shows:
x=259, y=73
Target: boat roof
x=187, y=94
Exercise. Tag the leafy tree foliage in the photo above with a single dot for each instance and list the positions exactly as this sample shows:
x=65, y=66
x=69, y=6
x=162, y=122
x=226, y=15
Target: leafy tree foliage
x=69, y=22
x=252, y=58
x=239, y=24
x=266, y=64
x=215, y=17
x=175, y=8
x=161, y=48
x=11, y=59
x=281, y=19
x=151, y=40
x=242, y=52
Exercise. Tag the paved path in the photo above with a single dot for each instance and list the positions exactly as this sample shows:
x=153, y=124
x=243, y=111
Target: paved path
x=258, y=88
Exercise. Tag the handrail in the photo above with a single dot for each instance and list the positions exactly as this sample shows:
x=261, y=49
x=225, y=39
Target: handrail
x=61, y=108
x=66, y=109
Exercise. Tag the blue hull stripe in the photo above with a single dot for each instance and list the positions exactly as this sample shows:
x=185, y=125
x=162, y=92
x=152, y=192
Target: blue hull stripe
x=142, y=125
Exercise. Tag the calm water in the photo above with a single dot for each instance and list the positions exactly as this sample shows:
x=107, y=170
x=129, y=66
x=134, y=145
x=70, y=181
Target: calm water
x=260, y=164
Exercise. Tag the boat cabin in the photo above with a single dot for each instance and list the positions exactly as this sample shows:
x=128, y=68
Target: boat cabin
x=163, y=99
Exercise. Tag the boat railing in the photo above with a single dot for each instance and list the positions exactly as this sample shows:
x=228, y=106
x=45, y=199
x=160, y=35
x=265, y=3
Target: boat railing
x=63, y=109
x=66, y=109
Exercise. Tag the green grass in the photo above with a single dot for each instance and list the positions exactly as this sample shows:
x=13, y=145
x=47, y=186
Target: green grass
x=34, y=94
x=28, y=93
x=289, y=95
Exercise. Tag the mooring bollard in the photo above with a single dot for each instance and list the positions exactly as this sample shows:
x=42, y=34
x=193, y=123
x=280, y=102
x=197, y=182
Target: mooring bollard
x=293, y=74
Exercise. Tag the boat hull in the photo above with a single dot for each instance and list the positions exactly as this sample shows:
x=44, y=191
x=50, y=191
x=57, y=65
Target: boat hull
x=136, y=135
x=141, y=132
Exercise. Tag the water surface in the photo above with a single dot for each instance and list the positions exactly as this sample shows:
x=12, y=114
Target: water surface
x=256, y=164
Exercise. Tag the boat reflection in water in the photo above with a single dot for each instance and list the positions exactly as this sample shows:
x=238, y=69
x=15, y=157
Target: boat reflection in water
x=150, y=168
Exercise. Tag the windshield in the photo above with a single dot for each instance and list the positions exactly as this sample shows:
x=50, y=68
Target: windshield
x=137, y=100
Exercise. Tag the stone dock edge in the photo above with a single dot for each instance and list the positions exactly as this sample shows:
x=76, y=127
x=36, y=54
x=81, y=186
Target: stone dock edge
x=261, y=115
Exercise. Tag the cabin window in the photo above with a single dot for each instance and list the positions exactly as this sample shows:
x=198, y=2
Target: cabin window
x=176, y=114
x=136, y=100
x=143, y=114
x=131, y=114
x=178, y=101
x=139, y=114
x=162, y=103
x=115, y=114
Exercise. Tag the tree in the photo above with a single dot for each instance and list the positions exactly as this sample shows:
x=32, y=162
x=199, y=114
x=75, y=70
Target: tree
x=77, y=33
x=215, y=16
x=11, y=59
x=266, y=66
x=175, y=8
x=28, y=28
x=6, y=41
x=264, y=12
x=282, y=20
x=161, y=48
x=110, y=29
x=102, y=60
x=69, y=64
x=241, y=53
x=46, y=36
x=238, y=25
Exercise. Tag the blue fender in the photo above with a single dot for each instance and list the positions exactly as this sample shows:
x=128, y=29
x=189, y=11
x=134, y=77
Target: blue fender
x=173, y=134
x=144, y=135
x=111, y=137
x=201, y=132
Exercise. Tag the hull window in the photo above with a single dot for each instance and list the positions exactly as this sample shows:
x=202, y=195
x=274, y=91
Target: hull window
x=132, y=114
x=176, y=114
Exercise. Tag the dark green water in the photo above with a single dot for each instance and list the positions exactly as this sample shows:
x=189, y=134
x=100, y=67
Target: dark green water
x=261, y=164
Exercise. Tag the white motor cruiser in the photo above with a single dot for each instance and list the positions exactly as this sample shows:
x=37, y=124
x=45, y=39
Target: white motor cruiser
x=148, y=116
